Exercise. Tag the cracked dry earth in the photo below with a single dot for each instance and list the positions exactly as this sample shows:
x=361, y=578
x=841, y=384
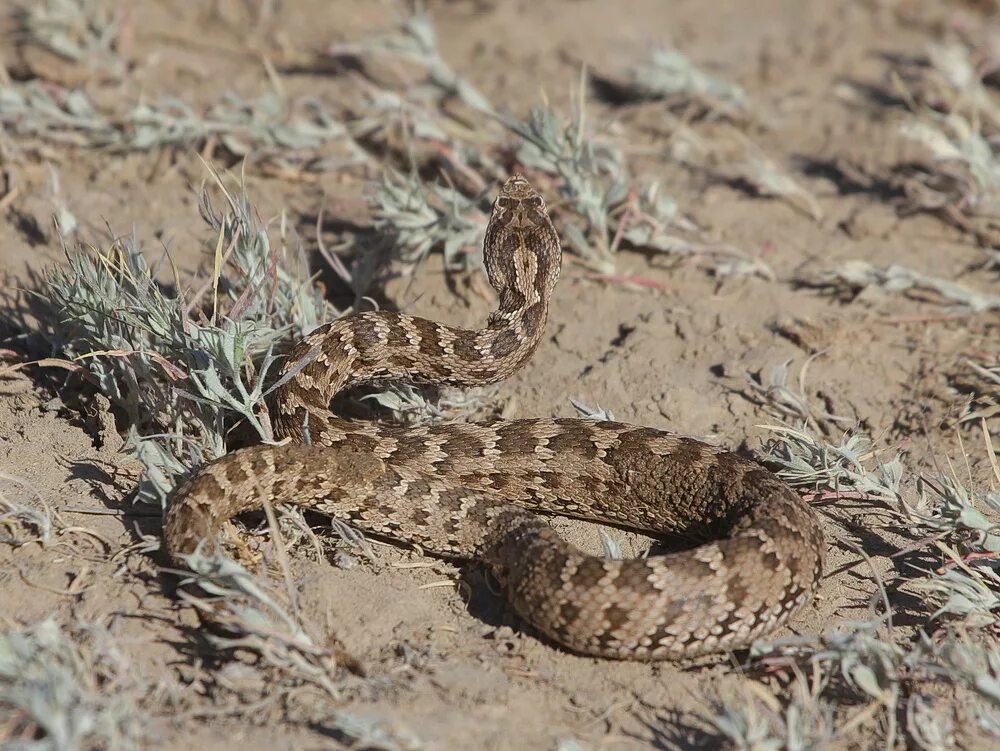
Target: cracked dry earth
x=446, y=663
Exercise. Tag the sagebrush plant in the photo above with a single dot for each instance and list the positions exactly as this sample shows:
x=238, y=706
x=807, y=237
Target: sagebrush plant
x=67, y=688
x=856, y=276
x=954, y=119
x=769, y=180
x=962, y=155
x=22, y=520
x=603, y=208
x=974, y=662
x=410, y=405
x=591, y=173
x=606, y=208
x=414, y=43
x=861, y=658
x=258, y=618
x=977, y=381
x=415, y=121
x=669, y=73
x=805, y=461
x=274, y=132
x=772, y=391
x=417, y=220
x=86, y=32
x=32, y=110
x=390, y=124
x=874, y=670
x=183, y=366
x=752, y=719
x=266, y=128
x=964, y=526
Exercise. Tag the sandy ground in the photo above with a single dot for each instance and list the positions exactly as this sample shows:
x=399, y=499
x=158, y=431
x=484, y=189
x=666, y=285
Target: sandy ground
x=445, y=662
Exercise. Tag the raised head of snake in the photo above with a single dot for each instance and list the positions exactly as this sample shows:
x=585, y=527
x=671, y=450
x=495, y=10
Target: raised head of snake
x=522, y=257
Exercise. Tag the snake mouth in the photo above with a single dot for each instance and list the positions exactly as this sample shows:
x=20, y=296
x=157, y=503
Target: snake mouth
x=518, y=188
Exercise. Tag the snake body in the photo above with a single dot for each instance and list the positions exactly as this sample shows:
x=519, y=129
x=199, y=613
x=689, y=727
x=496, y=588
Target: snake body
x=473, y=491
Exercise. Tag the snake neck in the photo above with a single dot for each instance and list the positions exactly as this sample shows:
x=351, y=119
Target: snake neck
x=522, y=258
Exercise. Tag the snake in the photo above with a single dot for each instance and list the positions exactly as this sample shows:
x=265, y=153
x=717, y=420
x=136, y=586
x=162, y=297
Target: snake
x=748, y=550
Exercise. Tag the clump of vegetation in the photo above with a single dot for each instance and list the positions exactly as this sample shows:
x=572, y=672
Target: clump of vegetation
x=753, y=718
x=603, y=209
x=278, y=135
x=414, y=44
x=66, y=688
x=977, y=381
x=592, y=179
x=669, y=73
x=872, y=669
x=772, y=391
x=954, y=119
x=855, y=277
x=418, y=220
x=180, y=366
x=83, y=32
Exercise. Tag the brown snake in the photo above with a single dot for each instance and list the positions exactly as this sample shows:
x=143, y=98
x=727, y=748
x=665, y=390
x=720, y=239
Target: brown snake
x=471, y=491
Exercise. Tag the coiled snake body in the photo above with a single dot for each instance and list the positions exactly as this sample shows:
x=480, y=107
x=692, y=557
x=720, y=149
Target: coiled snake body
x=472, y=491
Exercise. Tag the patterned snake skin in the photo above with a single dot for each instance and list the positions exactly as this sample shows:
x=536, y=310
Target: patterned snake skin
x=472, y=491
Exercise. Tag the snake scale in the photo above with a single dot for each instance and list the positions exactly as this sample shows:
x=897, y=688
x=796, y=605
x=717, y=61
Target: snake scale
x=473, y=491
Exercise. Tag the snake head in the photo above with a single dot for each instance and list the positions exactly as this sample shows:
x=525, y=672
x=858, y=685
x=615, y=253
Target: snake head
x=520, y=225
x=518, y=206
x=517, y=188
